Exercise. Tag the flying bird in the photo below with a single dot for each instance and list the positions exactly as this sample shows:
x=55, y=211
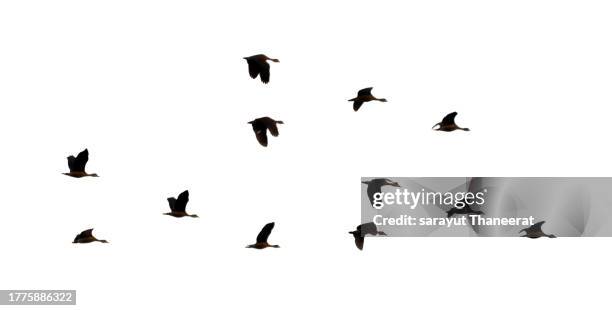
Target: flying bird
x=178, y=205
x=262, y=238
x=77, y=165
x=375, y=186
x=261, y=126
x=448, y=124
x=363, y=230
x=258, y=65
x=465, y=210
x=363, y=96
x=535, y=231
x=87, y=237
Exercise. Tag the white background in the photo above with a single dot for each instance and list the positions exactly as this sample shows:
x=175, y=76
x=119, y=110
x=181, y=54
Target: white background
x=159, y=93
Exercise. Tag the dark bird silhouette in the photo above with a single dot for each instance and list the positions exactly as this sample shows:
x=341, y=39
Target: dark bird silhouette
x=375, y=186
x=178, y=205
x=535, y=231
x=258, y=65
x=363, y=96
x=262, y=238
x=465, y=210
x=448, y=124
x=87, y=237
x=261, y=126
x=363, y=230
x=77, y=165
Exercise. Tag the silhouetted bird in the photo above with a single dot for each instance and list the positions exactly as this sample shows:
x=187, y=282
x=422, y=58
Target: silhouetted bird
x=77, y=165
x=178, y=205
x=535, y=231
x=262, y=238
x=448, y=124
x=375, y=186
x=87, y=237
x=465, y=210
x=363, y=96
x=362, y=230
x=261, y=126
x=258, y=65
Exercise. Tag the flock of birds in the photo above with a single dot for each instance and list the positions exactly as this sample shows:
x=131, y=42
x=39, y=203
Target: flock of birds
x=258, y=67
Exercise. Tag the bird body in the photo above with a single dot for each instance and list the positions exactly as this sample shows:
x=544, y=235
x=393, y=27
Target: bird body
x=262, y=238
x=77, y=165
x=448, y=124
x=363, y=96
x=261, y=126
x=363, y=230
x=258, y=65
x=535, y=231
x=87, y=237
x=178, y=206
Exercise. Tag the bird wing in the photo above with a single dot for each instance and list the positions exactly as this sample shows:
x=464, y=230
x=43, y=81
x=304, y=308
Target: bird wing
x=71, y=166
x=537, y=226
x=78, y=164
x=271, y=126
x=263, y=235
x=262, y=137
x=172, y=203
x=359, y=242
x=181, y=201
x=253, y=68
x=449, y=119
x=373, y=188
x=86, y=233
x=365, y=92
x=357, y=104
x=264, y=72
